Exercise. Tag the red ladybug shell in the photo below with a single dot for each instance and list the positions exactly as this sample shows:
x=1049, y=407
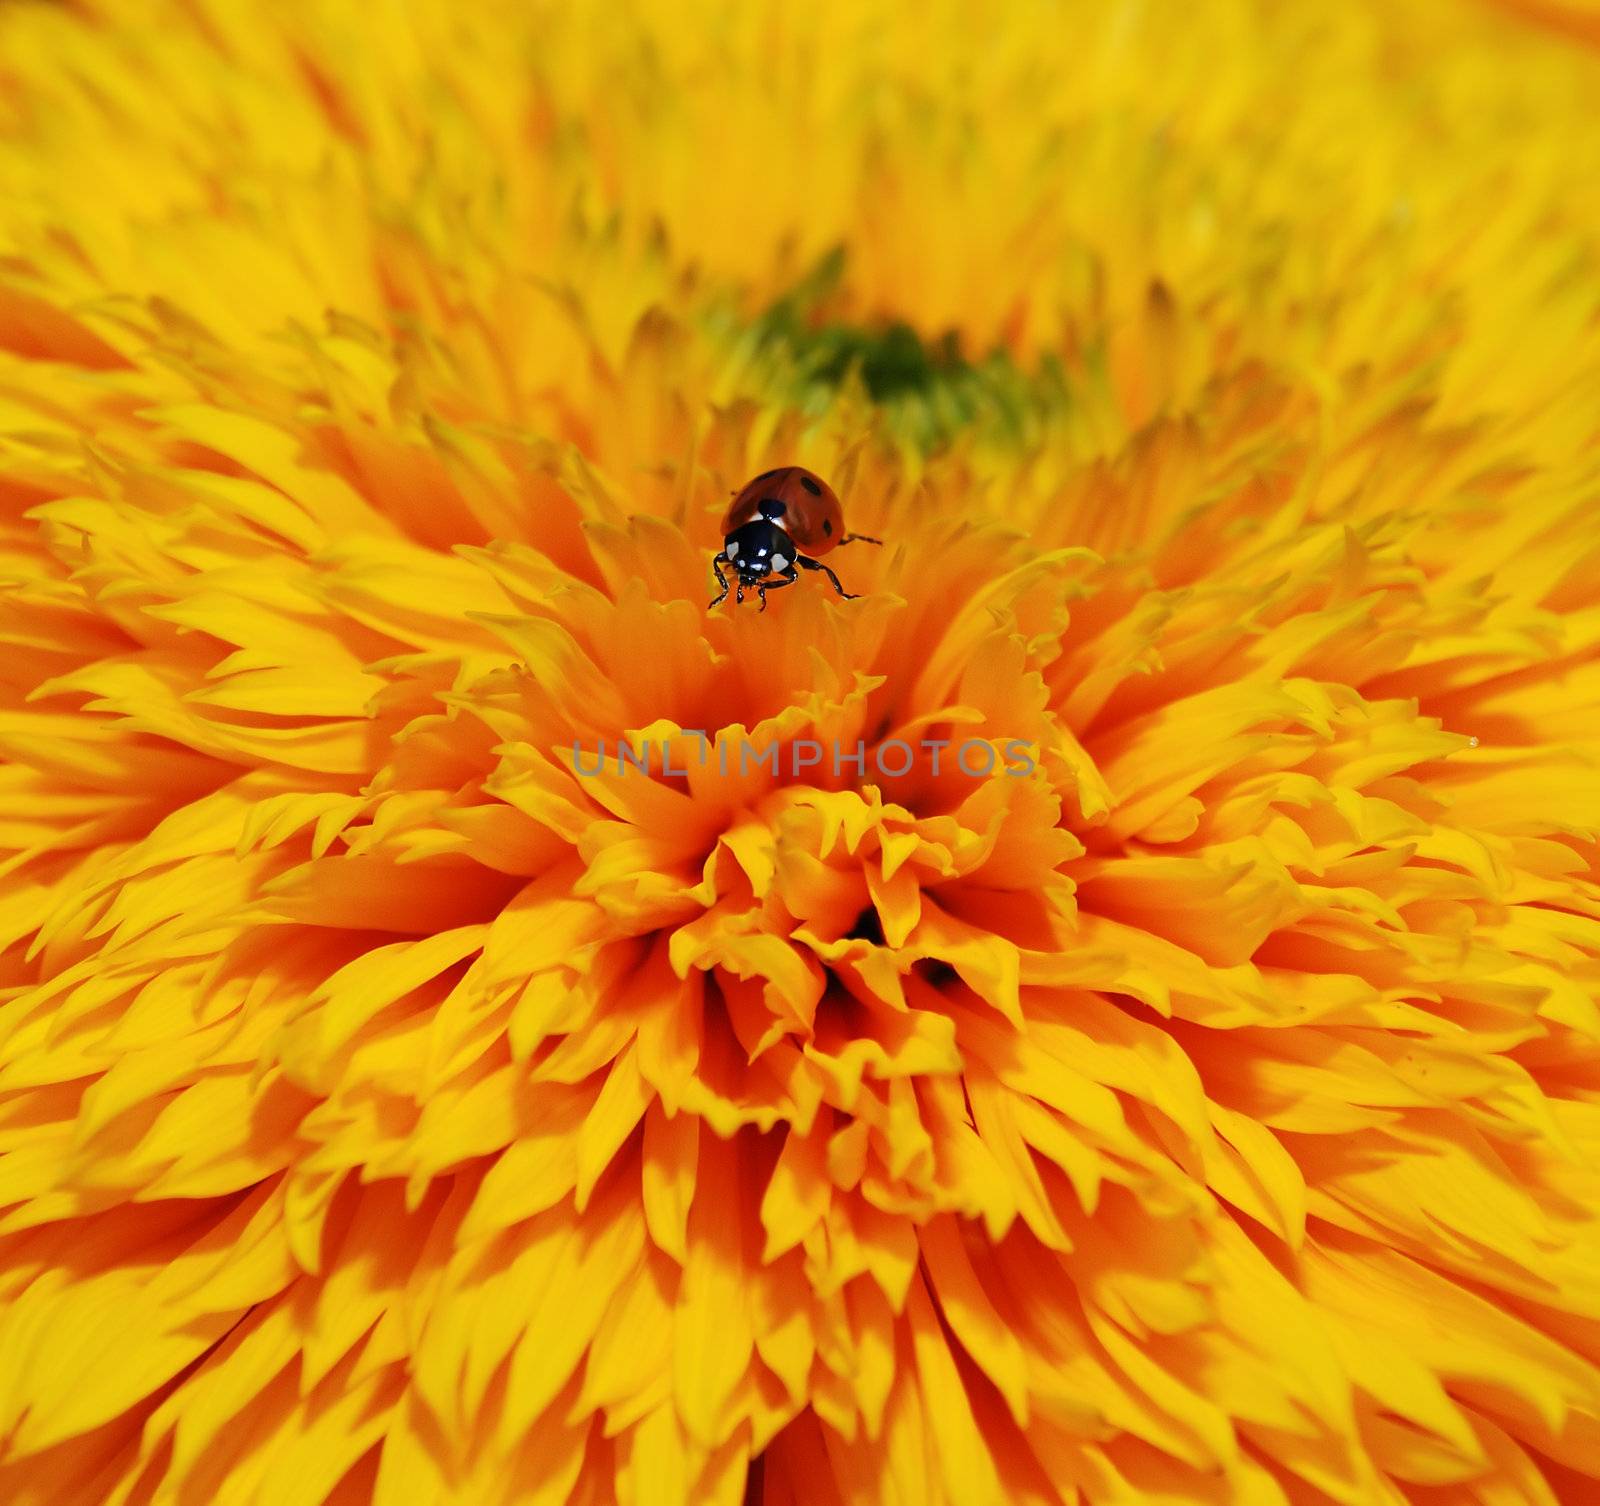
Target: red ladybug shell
x=811, y=513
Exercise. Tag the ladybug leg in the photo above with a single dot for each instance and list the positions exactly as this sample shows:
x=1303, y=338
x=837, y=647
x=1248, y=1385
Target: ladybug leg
x=789, y=578
x=857, y=538
x=812, y=564
x=717, y=562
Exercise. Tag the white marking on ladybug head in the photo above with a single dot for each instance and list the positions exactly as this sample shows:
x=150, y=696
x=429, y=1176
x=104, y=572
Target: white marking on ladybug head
x=779, y=562
x=733, y=550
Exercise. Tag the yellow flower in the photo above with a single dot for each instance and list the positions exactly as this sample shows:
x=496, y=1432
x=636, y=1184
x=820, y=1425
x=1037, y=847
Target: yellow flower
x=1180, y=1084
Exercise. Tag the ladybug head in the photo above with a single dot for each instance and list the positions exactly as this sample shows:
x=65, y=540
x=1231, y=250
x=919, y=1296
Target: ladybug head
x=758, y=549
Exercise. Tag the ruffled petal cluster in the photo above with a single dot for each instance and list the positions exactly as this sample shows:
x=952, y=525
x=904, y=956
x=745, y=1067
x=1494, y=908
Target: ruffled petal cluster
x=1109, y=1017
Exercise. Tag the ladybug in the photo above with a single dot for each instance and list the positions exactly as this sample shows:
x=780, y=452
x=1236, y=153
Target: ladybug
x=781, y=520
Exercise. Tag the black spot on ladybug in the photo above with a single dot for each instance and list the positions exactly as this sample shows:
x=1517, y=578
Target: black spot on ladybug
x=763, y=476
x=771, y=507
x=811, y=486
x=827, y=525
